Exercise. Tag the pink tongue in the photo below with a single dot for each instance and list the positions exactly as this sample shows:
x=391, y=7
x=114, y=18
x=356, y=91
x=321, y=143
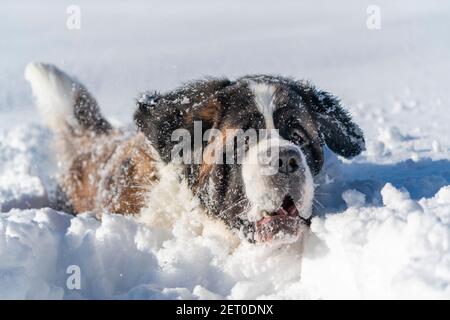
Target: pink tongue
x=293, y=211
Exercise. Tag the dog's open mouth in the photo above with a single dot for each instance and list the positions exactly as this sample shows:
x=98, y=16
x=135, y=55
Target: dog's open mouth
x=283, y=223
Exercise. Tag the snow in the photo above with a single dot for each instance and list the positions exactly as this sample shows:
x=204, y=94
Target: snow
x=383, y=228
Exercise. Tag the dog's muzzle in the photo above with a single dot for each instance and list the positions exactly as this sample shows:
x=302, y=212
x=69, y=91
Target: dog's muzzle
x=281, y=201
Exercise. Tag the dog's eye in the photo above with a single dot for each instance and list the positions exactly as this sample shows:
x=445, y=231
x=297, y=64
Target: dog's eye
x=297, y=137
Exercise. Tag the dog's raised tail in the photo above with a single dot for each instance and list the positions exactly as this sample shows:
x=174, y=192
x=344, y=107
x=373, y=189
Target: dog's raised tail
x=65, y=104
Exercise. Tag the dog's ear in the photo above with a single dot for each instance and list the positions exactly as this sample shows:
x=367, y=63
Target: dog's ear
x=158, y=116
x=155, y=121
x=335, y=126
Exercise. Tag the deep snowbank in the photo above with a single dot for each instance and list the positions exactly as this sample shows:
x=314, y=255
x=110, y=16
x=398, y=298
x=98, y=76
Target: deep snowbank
x=397, y=249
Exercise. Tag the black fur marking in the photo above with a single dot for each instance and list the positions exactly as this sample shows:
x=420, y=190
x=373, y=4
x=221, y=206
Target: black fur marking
x=335, y=125
x=88, y=114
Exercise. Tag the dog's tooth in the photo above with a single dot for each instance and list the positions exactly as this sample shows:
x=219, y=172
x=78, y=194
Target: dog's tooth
x=265, y=213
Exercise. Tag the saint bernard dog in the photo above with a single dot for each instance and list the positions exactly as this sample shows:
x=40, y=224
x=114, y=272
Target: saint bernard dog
x=106, y=169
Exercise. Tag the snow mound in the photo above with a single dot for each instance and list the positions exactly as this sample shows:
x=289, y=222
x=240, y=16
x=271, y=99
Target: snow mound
x=383, y=252
x=396, y=246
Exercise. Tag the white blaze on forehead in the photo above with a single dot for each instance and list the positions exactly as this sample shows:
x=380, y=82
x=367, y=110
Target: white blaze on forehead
x=264, y=98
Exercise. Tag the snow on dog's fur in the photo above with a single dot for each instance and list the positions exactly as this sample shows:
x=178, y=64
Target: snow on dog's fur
x=105, y=168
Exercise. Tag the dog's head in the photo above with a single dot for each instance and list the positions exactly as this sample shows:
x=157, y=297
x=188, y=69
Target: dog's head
x=250, y=148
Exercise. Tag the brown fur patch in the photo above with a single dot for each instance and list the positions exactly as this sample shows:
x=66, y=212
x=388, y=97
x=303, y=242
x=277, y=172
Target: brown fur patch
x=209, y=155
x=209, y=113
x=110, y=173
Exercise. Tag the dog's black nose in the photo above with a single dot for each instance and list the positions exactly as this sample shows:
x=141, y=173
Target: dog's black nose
x=289, y=160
